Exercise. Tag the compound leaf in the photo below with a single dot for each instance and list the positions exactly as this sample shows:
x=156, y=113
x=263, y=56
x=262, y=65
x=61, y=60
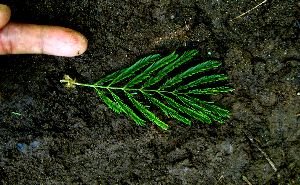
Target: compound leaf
x=179, y=103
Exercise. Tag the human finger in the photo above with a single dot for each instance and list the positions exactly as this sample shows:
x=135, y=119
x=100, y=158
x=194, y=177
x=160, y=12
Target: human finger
x=5, y=13
x=19, y=38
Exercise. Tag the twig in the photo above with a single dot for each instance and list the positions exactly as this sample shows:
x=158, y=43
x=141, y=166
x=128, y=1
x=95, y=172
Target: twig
x=250, y=10
x=280, y=123
x=268, y=159
x=298, y=23
x=266, y=156
x=246, y=180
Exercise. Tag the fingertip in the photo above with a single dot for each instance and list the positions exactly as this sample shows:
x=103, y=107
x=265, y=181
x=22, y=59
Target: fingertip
x=17, y=38
x=62, y=41
x=77, y=43
x=5, y=14
x=82, y=43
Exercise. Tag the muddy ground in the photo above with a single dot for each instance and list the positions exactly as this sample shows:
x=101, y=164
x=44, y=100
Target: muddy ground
x=70, y=136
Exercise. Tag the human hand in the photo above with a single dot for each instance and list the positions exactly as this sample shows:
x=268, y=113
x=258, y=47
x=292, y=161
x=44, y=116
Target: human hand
x=18, y=38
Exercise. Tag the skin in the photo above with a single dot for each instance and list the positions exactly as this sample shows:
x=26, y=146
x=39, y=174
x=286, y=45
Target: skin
x=19, y=38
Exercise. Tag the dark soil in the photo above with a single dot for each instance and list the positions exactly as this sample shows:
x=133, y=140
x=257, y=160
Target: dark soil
x=70, y=136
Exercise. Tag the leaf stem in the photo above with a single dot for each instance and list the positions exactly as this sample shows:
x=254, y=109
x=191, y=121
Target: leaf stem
x=122, y=88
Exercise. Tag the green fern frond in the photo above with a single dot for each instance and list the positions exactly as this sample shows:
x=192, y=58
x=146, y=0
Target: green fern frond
x=131, y=70
x=216, y=113
x=146, y=112
x=127, y=110
x=203, y=80
x=111, y=104
x=190, y=111
x=185, y=57
x=198, y=68
x=213, y=90
x=180, y=103
x=162, y=62
x=167, y=110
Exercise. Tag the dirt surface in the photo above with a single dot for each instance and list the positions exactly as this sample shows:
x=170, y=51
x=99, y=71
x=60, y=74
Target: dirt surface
x=70, y=136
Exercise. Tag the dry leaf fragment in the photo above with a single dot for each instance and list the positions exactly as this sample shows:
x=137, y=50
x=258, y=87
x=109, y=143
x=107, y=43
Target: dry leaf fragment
x=70, y=81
